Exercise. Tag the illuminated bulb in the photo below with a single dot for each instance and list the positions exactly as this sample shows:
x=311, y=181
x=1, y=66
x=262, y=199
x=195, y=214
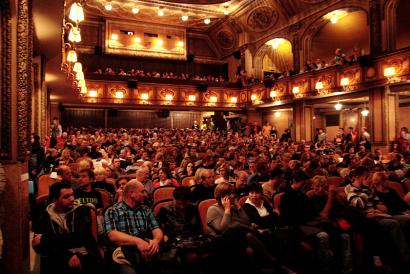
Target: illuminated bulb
x=83, y=90
x=81, y=83
x=72, y=56
x=78, y=67
x=213, y=99
x=234, y=100
x=273, y=93
x=144, y=96
x=334, y=20
x=389, y=72
x=92, y=93
x=180, y=44
x=226, y=11
x=137, y=40
x=135, y=10
x=160, y=42
x=74, y=35
x=338, y=106
x=169, y=97
x=119, y=94
x=108, y=6
x=319, y=85
x=114, y=36
x=295, y=90
x=207, y=21
x=161, y=12
x=184, y=17
x=365, y=112
x=191, y=98
x=80, y=75
x=277, y=114
x=253, y=97
x=76, y=13
x=344, y=81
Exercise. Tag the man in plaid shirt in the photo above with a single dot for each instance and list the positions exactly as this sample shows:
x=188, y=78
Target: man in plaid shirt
x=132, y=225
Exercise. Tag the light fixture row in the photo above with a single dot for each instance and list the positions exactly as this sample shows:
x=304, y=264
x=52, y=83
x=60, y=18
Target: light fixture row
x=158, y=42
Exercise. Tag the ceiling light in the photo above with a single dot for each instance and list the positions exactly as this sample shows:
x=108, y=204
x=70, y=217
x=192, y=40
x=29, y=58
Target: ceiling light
x=338, y=106
x=344, y=81
x=74, y=35
x=180, y=44
x=226, y=11
x=191, y=98
x=135, y=10
x=213, y=99
x=334, y=19
x=108, y=6
x=119, y=94
x=114, y=36
x=169, y=97
x=76, y=13
x=234, y=100
x=92, y=93
x=207, y=21
x=72, y=56
x=277, y=114
x=184, y=17
x=365, y=112
x=389, y=72
x=273, y=93
x=78, y=67
x=144, y=96
x=160, y=42
x=137, y=40
x=80, y=75
x=161, y=12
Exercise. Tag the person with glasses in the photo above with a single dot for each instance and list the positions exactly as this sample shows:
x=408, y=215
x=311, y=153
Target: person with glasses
x=204, y=188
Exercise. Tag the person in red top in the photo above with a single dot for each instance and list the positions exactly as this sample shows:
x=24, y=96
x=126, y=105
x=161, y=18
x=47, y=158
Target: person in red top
x=165, y=178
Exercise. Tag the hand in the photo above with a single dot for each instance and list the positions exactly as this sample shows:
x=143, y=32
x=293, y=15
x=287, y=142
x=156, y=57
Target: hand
x=144, y=250
x=153, y=247
x=74, y=262
x=226, y=203
x=254, y=226
x=36, y=240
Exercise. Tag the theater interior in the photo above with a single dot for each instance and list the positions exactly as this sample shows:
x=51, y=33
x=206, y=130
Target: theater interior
x=168, y=63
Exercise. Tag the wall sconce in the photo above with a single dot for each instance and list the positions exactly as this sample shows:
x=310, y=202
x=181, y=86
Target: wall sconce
x=169, y=97
x=295, y=90
x=119, y=94
x=277, y=114
x=135, y=10
x=137, y=40
x=192, y=98
x=234, y=100
x=184, y=18
x=76, y=13
x=207, y=21
x=92, y=93
x=144, y=96
x=180, y=44
x=81, y=83
x=389, y=72
x=254, y=97
x=319, y=86
x=338, y=106
x=226, y=10
x=160, y=42
x=83, y=90
x=344, y=82
x=365, y=112
x=114, y=36
x=71, y=56
x=79, y=76
x=213, y=99
x=74, y=35
x=161, y=11
x=273, y=94
x=78, y=67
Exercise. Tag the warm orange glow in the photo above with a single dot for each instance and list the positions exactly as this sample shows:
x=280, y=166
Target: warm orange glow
x=213, y=99
x=344, y=81
x=78, y=67
x=144, y=96
x=160, y=42
x=365, y=112
x=83, y=90
x=180, y=44
x=108, y=6
x=169, y=97
x=273, y=93
x=234, y=100
x=338, y=106
x=319, y=85
x=114, y=36
x=137, y=40
x=254, y=97
x=207, y=21
x=135, y=10
x=161, y=12
x=191, y=98
x=389, y=72
x=184, y=18
x=74, y=35
x=92, y=93
x=296, y=90
x=119, y=94
x=81, y=83
x=80, y=75
x=277, y=114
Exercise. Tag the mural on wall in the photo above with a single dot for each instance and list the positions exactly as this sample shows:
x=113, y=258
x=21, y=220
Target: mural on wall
x=262, y=18
x=226, y=39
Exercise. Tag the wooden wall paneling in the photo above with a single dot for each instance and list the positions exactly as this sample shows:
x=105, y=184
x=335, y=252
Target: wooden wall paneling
x=78, y=117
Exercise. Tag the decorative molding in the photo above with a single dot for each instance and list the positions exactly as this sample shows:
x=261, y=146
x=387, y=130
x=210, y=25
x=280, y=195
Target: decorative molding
x=5, y=80
x=24, y=77
x=226, y=39
x=262, y=18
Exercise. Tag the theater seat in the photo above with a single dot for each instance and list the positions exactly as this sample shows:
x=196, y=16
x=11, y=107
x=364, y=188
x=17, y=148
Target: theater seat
x=44, y=183
x=156, y=208
x=203, y=211
x=162, y=193
x=398, y=188
x=188, y=181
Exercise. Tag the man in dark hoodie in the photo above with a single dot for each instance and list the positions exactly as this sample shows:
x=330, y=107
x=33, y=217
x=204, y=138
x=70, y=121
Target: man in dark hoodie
x=63, y=235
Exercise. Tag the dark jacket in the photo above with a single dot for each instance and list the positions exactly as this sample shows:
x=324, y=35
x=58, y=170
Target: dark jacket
x=268, y=221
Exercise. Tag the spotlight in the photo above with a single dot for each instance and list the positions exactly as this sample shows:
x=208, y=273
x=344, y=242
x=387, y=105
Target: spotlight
x=135, y=10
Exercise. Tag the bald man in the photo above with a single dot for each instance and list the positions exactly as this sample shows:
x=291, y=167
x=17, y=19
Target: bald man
x=132, y=225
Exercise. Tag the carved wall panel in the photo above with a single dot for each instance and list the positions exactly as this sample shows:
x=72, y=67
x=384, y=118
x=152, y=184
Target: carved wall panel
x=226, y=39
x=262, y=18
x=24, y=77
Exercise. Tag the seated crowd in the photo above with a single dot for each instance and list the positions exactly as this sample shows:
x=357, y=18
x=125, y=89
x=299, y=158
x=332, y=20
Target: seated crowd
x=200, y=201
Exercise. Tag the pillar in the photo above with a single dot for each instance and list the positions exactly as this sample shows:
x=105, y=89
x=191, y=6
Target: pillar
x=302, y=121
x=375, y=27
